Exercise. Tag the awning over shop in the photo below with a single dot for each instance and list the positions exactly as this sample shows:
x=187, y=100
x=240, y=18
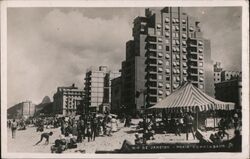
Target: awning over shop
x=189, y=98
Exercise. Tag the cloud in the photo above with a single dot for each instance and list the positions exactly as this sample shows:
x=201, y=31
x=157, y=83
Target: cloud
x=222, y=25
x=57, y=49
x=49, y=47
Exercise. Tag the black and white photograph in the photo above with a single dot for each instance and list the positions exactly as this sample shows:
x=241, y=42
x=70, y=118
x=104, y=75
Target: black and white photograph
x=125, y=79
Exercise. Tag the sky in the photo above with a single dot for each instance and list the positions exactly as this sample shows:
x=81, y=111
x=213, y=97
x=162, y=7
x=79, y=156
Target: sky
x=52, y=47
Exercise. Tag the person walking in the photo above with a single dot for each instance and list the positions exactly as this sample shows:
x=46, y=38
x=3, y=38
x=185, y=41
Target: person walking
x=13, y=128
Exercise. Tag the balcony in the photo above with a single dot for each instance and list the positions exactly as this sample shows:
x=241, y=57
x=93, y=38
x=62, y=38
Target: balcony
x=192, y=59
x=193, y=66
x=152, y=85
x=152, y=71
x=152, y=55
x=192, y=52
x=193, y=74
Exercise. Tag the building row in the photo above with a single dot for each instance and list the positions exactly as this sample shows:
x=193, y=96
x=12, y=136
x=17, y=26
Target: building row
x=228, y=85
x=168, y=49
x=23, y=109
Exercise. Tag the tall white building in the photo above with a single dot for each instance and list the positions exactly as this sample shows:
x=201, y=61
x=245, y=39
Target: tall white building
x=98, y=88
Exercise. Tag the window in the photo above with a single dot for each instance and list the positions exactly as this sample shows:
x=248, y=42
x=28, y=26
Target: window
x=200, y=50
x=167, y=92
x=201, y=71
x=177, y=49
x=177, y=57
x=167, y=56
x=200, y=64
x=174, y=63
x=167, y=70
x=160, y=92
x=201, y=79
x=160, y=77
x=160, y=62
x=185, y=79
x=191, y=28
x=173, y=20
x=167, y=34
x=184, y=57
x=160, y=47
x=167, y=63
x=184, y=28
x=184, y=64
x=160, y=99
x=177, y=79
x=185, y=72
x=176, y=28
x=167, y=78
x=177, y=20
x=201, y=86
x=177, y=63
x=184, y=50
x=174, y=49
x=200, y=43
x=158, y=33
x=177, y=71
x=174, y=56
x=159, y=39
x=174, y=71
x=160, y=69
x=167, y=48
x=167, y=19
x=200, y=57
x=184, y=36
x=173, y=42
x=177, y=42
x=167, y=41
x=167, y=85
x=158, y=26
x=160, y=84
x=160, y=54
x=184, y=43
x=167, y=27
x=183, y=21
x=174, y=79
x=175, y=35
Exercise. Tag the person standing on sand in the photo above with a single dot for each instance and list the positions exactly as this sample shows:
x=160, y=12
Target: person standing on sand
x=13, y=128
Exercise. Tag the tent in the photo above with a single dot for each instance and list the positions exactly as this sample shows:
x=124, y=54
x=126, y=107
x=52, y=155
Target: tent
x=189, y=98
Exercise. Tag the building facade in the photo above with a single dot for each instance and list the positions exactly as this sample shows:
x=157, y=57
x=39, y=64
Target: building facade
x=68, y=100
x=230, y=91
x=228, y=75
x=98, y=88
x=116, y=95
x=23, y=109
x=167, y=50
x=217, y=72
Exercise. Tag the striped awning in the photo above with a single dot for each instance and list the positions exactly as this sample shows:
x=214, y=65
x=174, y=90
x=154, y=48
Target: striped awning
x=189, y=98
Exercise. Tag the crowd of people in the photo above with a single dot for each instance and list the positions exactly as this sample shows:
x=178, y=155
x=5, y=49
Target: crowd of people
x=87, y=127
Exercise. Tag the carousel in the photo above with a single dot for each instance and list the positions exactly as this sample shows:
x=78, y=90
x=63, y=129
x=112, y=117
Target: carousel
x=190, y=99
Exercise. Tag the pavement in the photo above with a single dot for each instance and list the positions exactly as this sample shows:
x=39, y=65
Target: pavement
x=25, y=140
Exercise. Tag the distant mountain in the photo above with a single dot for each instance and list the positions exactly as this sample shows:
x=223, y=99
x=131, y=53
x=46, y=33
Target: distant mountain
x=46, y=106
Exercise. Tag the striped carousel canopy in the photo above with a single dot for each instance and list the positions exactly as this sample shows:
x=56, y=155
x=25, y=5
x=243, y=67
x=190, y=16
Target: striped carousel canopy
x=189, y=97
